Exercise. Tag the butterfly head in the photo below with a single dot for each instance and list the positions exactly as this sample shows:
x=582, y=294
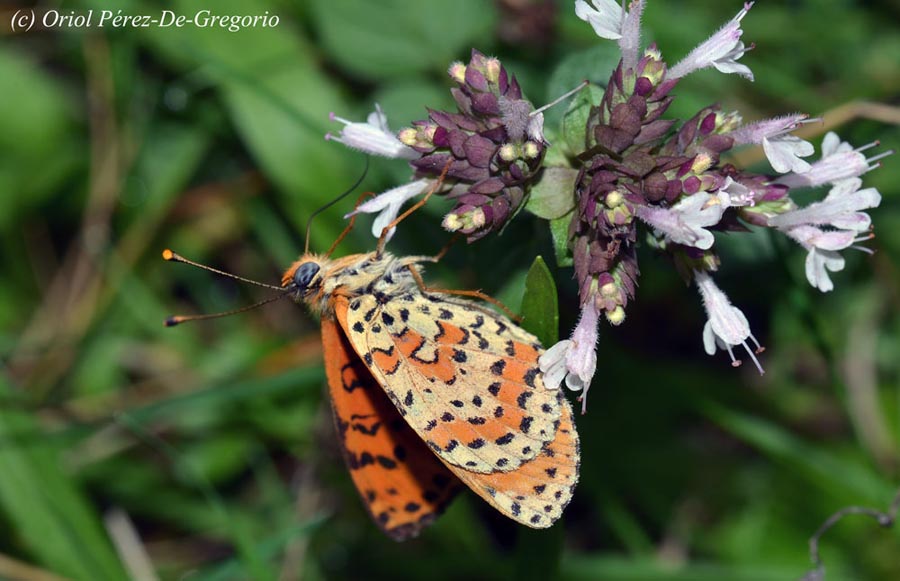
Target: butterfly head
x=303, y=278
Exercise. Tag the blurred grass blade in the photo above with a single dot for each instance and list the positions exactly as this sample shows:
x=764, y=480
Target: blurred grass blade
x=53, y=520
x=826, y=470
x=251, y=562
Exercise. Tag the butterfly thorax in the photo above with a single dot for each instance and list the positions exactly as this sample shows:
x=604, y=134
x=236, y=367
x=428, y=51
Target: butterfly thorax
x=317, y=280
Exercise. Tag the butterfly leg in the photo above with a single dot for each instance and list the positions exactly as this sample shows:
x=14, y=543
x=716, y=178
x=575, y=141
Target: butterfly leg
x=382, y=240
x=464, y=293
x=349, y=224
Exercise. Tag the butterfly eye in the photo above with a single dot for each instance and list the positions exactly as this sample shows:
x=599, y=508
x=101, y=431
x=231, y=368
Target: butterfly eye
x=304, y=274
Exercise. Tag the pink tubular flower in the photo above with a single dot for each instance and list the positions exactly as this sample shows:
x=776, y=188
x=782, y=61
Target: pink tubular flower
x=726, y=325
x=782, y=149
x=840, y=161
x=841, y=213
x=685, y=222
x=373, y=137
x=722, y=51
x=574, y=359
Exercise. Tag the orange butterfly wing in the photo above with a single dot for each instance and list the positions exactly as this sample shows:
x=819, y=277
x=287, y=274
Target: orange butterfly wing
x=402, y=484
x=467, y=381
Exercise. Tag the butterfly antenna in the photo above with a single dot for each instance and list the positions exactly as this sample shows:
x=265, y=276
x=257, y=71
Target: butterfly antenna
x=333, y=202
x=172, y=257
x=178, y=319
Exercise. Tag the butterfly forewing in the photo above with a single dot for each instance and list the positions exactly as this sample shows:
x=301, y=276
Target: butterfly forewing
x=463, y=377
x=535, y=494
x=456, y=386
x=402, y=484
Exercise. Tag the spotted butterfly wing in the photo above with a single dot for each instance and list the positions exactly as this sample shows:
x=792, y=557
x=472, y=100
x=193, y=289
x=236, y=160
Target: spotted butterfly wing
x=467, y=381
x=403, y=486
x=464, y=380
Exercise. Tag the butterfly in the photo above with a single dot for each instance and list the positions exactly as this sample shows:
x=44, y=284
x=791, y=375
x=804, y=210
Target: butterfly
x=431, y=392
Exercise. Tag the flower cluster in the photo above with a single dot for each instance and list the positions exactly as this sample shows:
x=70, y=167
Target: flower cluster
x=489, y=151
x=639, y=178
x=637, y=168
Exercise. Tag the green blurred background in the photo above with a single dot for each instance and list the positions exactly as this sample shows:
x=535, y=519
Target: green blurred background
x=207, y=451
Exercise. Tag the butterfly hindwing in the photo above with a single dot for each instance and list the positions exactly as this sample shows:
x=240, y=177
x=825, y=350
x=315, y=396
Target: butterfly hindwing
x=402, y=484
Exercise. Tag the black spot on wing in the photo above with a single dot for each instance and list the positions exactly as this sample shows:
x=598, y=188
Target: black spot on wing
x=482, y=342
x=476, y=443
x=386, y=462
x=522, y=400
x=363, y=429
x=525, y=424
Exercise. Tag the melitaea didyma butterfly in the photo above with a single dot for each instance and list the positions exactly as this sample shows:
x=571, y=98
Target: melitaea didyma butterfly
x=431, y=390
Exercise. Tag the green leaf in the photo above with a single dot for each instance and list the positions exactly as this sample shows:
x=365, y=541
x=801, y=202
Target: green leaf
x=554, y=195
x=540, y=305
x=559, y=230
x=594, y=64
x=394, y=38
x=39, y=145
x=47, y=510
x=575, y=120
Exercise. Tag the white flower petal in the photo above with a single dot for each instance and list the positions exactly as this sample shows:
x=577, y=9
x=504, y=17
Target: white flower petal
x=605, y=17
x=818, y=263
x=784, y=153
x=388, y=204
x=553, y=363
x=709, y=339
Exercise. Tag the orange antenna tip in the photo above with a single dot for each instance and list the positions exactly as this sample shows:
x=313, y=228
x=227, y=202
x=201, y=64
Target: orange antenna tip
x=168, y=254
x=172, y=321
